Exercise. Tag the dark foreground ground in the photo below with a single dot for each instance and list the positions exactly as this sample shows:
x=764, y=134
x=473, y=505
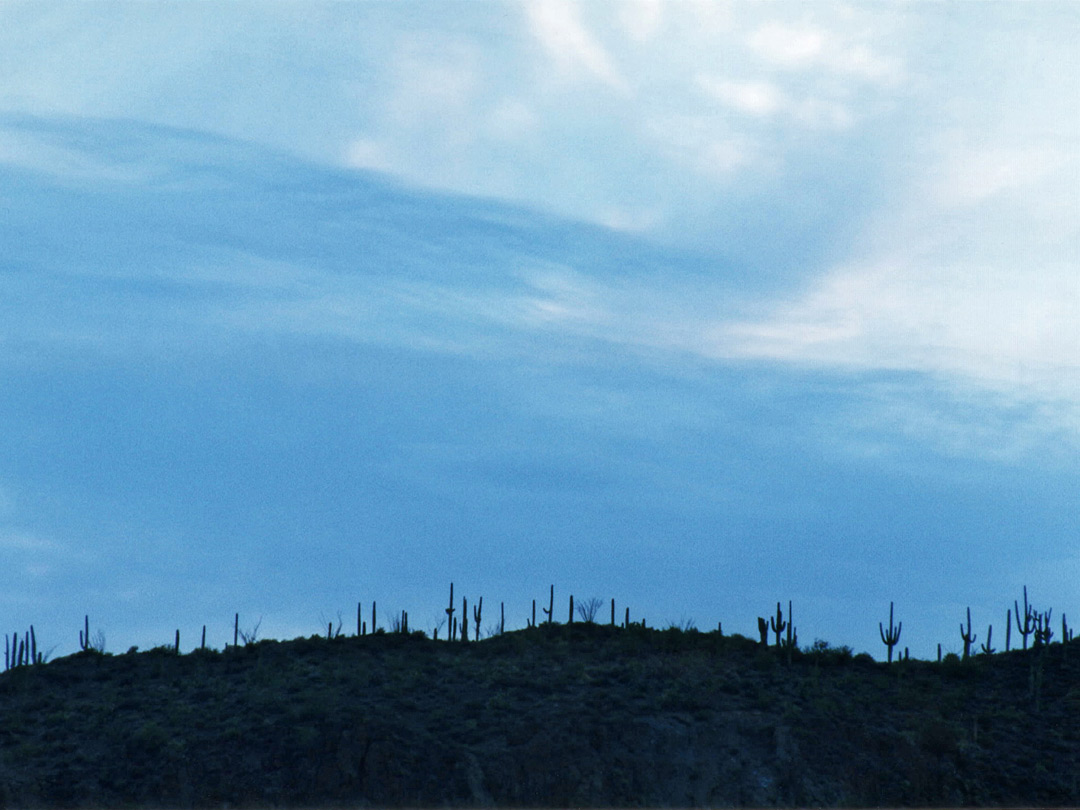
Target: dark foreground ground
x=570, y=716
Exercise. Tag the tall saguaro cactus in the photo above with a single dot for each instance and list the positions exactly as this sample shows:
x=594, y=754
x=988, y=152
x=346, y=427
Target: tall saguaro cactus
x=450, y=615
x=551, y=605
x=890, y=638
x=967, y=636
x=777, y=623
x=478, y=608
x=1028, y=627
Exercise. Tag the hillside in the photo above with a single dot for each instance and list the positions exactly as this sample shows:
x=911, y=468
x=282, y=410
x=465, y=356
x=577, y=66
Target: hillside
x=560, y=715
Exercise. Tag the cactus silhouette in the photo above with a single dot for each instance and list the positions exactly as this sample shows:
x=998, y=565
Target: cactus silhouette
x=890, y=638
x=1028, y=627
x=778, y=624
x=967, y=636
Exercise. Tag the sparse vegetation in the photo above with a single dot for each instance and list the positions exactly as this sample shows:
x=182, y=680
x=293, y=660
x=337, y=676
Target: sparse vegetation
x=573, y=714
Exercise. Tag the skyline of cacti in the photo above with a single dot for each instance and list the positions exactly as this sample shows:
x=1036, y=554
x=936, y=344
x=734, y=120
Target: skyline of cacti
x=22, y=651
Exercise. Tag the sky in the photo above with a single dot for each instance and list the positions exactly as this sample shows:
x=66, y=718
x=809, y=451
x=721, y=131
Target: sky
x=695, y=306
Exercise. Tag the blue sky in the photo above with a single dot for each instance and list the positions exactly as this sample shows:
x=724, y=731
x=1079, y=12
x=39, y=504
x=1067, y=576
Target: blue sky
x=697, y=306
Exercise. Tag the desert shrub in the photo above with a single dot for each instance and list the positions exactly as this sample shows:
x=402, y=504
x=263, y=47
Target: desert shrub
x=822, y=653
x=587, y=609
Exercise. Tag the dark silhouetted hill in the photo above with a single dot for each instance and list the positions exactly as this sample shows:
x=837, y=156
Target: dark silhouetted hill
x=561, y=715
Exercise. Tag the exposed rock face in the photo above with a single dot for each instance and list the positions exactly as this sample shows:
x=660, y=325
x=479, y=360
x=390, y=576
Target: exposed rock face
x=554, y=716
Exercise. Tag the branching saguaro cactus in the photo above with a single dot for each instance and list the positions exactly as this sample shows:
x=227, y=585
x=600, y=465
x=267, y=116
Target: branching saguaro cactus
x=551, y=605
x=1028, y=626
x=890, y=638
x=777, y=623
x=967, y=636
x=987, y=649
x=1043, y=631
x=791, y=643
x=478, y=608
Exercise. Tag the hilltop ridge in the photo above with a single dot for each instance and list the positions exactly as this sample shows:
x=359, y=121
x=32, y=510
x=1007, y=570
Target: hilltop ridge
x=556, y=715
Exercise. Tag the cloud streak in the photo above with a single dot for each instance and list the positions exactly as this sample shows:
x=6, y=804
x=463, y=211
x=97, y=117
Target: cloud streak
x=558, y=27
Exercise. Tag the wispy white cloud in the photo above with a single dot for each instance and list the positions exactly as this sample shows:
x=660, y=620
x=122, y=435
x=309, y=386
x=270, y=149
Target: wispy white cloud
x=511, y=119
x=558, y=27
x=764, y=99
x=706, y=144
x=975, y=172
x=758, y=98
x=368, y=153
x=809, y=46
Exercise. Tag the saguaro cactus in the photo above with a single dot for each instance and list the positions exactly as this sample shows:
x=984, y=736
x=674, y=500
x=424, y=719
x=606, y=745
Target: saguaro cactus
x=763, y=631
x=792, y=640
x=777, y=623
x=890, y=638
x=450, y=615
x=1028, y=627
x=987, y=648
x=476, y=611
x=1043, y=631
x=551, y=605
x=967, y=636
